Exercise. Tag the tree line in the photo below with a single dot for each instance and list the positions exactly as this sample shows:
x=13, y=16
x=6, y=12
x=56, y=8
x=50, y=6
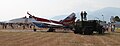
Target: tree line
x=116, y=19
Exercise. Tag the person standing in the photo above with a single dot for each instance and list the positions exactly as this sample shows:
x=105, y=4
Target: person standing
x=82, y=15
x=113, y=28
x=85, y=15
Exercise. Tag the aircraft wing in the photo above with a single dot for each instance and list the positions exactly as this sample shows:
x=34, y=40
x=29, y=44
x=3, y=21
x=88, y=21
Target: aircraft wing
x=46, y=25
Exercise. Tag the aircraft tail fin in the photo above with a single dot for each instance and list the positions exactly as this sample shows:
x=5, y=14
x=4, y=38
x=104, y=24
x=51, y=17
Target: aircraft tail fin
x=69, y=20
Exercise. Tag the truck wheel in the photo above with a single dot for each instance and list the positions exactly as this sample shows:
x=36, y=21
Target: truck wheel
x=85, y=31
x=101, y=31
x=75, y=31
x=78, y=31
x=81, y=32
x=88, y=31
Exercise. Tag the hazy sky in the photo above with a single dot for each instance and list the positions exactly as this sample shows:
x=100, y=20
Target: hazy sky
x=10, y=9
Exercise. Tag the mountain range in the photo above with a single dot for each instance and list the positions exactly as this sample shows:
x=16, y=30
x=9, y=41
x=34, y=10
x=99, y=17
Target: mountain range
x=101, y=14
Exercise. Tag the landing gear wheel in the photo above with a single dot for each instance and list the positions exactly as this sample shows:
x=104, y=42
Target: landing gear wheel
x=51, y=30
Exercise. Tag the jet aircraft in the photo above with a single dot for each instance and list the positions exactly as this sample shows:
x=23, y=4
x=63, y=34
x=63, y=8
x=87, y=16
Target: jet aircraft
x=45, y=23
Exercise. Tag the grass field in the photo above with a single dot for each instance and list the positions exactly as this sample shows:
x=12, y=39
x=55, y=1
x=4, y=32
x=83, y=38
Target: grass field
x=57, y=39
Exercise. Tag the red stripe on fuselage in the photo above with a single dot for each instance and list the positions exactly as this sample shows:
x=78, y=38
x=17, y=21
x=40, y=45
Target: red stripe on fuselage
x=41, y=19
